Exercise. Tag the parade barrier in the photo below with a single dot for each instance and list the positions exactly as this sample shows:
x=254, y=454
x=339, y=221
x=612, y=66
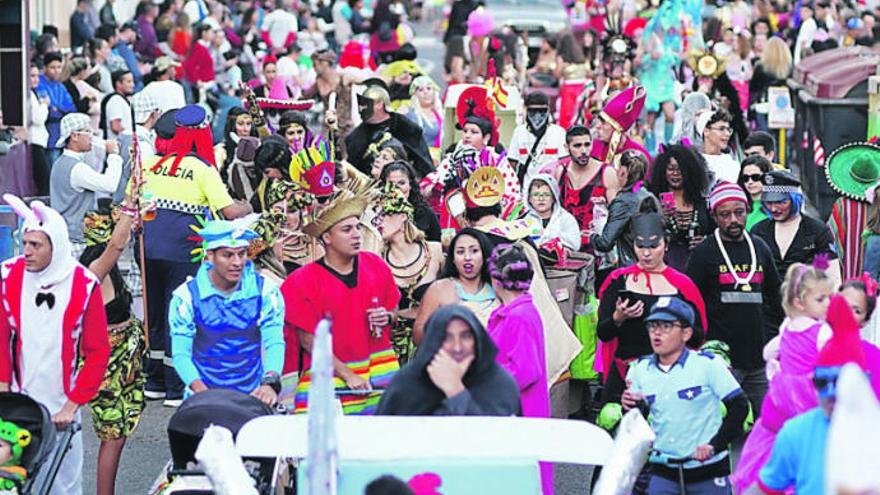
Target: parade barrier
x=10, y=232
x=467, y=454
x=336, y=454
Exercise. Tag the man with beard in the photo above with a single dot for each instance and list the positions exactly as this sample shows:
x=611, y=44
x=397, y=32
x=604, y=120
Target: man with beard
x=741, y=287
x=582, y=180
x=374, y=105
x=613, y=123
x=354, y=288
x=115, y=108
x=536, y=142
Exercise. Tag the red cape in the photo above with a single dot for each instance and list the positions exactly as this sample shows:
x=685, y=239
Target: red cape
x=679, y=280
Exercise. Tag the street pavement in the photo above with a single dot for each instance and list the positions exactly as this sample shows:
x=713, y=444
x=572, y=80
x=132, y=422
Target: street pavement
x=145, y=454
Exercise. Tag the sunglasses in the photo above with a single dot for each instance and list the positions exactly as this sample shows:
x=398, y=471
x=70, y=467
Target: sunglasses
x=753, y=177
x=725, y=130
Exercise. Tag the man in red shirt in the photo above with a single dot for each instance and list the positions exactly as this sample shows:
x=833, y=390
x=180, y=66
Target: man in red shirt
x=357, y=290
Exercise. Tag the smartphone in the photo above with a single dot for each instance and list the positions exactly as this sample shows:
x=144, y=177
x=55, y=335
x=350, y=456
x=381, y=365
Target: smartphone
x=626, y=294
x=667, y=200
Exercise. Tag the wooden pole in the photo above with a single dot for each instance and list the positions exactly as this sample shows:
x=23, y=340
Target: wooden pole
x=138, y=185
x=781, y=147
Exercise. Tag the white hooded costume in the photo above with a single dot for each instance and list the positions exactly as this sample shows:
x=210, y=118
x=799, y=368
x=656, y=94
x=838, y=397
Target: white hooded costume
x=562, y=224
x=48, y=320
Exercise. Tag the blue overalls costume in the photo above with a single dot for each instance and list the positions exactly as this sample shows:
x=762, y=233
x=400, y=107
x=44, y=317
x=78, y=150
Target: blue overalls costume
x=227, y=340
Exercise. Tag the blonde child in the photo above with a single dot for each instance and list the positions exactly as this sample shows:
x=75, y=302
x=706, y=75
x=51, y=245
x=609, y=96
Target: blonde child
x=791, y=356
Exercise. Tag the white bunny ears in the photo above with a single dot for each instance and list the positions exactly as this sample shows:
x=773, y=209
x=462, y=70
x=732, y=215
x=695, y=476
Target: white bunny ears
x=36, y=217
x=22, y=210
x=41, y=218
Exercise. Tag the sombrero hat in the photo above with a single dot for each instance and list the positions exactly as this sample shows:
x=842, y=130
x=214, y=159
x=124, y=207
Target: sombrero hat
x=853, y=168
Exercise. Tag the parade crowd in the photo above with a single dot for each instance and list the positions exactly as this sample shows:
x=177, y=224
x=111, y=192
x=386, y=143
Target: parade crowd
x=242, y=170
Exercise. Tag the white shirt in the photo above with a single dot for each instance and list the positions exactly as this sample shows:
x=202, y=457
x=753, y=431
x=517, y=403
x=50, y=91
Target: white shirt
x=279, y=24
x=196, y=11
x=550, y=149
x=117, y=108
x=723, y=166
x=105, y=85
x=146, y=141
x=168, y=94
x=805, y=37
x=287, y=68
x=37, y=127
x=85, y=178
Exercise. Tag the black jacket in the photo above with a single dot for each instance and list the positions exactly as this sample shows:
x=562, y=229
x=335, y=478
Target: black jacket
x=400, y=128
x=616, y=234
x=489, y=390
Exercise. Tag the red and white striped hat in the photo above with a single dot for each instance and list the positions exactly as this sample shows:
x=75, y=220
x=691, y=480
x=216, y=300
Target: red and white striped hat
x=726, y=191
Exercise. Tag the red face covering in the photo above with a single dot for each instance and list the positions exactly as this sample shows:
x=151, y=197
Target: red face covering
x=187, y=140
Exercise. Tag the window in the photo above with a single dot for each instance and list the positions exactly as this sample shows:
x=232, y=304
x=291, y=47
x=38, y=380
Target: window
x=13, y=66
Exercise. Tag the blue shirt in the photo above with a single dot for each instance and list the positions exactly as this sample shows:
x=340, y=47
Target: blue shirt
x=685, y=401
x=60, y=104
x=125, y=52
x=798, y=457
x=183, y=328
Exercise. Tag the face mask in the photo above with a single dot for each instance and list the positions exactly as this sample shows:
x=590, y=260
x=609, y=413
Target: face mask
x=365, y=107
x=537, y=119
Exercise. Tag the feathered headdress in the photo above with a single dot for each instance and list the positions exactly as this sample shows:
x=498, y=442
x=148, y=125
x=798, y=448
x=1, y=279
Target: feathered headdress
x=313, y=169
x=485, y=187
x=474, y=106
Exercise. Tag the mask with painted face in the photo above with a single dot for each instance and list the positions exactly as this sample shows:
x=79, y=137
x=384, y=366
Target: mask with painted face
x=365, y=107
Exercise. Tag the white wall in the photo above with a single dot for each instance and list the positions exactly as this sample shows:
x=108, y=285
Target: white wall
x=57, y=13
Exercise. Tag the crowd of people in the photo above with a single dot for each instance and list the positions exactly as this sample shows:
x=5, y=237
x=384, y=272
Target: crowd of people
x=278, y=162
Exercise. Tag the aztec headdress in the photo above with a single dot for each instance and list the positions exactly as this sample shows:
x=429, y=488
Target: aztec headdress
x=393, y=201
x=344, y=204
x=474, y=106
x=314, y=170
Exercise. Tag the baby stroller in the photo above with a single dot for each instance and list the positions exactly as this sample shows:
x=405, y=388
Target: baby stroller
x=43, y=456
x=227, y=408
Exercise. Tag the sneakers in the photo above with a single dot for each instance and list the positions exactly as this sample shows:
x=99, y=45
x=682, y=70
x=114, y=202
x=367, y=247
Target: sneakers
x=172, y=402
x=154, y=394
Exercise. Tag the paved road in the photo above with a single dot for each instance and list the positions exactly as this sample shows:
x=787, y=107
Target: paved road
x=145, y=454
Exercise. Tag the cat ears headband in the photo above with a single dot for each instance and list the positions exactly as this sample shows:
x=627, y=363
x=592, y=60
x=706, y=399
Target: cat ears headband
x=664, y=147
